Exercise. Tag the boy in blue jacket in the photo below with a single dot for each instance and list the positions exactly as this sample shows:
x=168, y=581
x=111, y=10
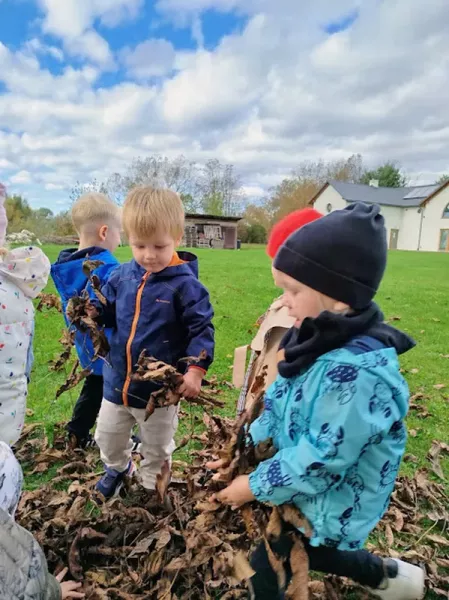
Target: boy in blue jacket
x=96, y=219
x=336, y=411
x=157, y=304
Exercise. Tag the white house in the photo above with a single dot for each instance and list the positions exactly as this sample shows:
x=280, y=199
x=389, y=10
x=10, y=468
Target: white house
x=417, y=218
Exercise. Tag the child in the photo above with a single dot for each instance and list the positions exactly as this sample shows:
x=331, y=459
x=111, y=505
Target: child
x=273, y=325
x=96, y=219
x=23, y=568
x=155, y=304
x=336, y=411
x=23, y=274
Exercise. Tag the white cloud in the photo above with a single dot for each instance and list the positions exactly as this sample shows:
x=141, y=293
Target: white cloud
x=35, y=46
x=73, y=22
x=279, y=92
x=153, y=58
x=90, y=45
x=71, y=18
x=22, y=177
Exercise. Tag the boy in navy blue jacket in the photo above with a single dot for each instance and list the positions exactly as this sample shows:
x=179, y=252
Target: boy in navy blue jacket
x=157, y=304
x=97, y=221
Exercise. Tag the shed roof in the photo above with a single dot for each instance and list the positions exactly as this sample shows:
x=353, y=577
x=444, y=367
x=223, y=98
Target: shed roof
x=213, y=217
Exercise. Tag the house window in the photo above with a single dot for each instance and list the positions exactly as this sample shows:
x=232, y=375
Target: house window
x=446, y=212
x=444, y=240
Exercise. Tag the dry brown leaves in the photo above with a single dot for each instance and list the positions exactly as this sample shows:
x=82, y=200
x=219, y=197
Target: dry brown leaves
x=133, y=548
x=48, y=301
x=169, y=380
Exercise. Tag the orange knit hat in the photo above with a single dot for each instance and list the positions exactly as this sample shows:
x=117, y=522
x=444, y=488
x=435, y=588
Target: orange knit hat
x=286, y=226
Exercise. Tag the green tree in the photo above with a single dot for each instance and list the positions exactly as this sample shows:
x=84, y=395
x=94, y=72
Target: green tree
x=18, y=210
x=257, y=234
x=43, y=213
x=388, y=175
x=443, y=179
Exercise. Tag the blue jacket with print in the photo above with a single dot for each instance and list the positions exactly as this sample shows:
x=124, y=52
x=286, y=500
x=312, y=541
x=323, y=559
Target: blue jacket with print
x=69, y=279
x=167, y=314
x=339, y=431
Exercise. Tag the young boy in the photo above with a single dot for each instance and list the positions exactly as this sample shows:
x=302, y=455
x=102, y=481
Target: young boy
x=274, y=324
x=336, y=411
x=96, y=219
x=155, y=304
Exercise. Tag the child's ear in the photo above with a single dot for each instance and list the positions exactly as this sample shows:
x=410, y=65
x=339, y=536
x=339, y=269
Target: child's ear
x=341, y=308
x=103, y=232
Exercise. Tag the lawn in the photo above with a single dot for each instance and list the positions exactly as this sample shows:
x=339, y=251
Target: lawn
x=415, y=293
x=414, y=297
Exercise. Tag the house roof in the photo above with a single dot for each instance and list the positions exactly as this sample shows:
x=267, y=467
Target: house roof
x=213, y=217
x=405, y=197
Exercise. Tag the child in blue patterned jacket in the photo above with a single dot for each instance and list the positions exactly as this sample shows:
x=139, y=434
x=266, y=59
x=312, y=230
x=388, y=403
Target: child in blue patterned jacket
x=336, y=411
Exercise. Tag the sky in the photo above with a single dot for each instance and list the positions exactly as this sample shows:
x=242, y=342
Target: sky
x=88, y=85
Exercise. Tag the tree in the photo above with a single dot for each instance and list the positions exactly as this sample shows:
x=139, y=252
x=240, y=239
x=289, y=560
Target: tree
x=83, y=188
x=17, y=210
x=43, y=213
x=178, y=174
x=219, y=189
x=296, y=191
x=388, y=175
x=256, y=234
x=443, y=179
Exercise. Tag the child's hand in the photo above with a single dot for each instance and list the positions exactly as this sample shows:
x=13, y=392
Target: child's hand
x=191, y=386
x=68, y=588
x=236, y=494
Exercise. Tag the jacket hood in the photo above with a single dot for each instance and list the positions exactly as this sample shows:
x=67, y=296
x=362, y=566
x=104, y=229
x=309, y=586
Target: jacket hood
x=74, y=254
x=68, y=273
x=188, y=268
x=27, y=268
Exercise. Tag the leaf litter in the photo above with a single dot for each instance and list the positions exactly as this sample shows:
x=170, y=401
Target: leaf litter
x=134, y=548
x=177, y=545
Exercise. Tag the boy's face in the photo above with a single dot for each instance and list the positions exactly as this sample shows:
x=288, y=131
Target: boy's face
x=301, y=300
x=154, y=253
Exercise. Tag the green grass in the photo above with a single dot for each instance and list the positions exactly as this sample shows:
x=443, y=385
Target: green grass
x=416, y=289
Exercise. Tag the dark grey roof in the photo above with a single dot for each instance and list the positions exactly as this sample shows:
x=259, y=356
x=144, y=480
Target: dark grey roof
x=403, y=197
x=213, y=217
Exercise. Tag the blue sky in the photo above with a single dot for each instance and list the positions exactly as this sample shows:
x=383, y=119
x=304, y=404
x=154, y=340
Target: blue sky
x=88, y=85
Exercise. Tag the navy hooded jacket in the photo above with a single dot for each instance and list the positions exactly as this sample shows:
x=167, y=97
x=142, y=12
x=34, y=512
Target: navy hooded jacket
x=167, y=314
x=69, y=279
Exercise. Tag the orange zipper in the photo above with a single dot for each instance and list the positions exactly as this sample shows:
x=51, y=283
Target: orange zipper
x=129, y=358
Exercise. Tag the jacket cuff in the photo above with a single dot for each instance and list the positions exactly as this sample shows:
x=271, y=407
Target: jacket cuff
x=198, y=368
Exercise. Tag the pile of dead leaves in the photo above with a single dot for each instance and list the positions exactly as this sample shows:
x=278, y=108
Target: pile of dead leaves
x=133, y=548
x=168, y=379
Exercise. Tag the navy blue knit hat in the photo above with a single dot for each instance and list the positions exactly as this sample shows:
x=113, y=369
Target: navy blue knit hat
x=343, y=255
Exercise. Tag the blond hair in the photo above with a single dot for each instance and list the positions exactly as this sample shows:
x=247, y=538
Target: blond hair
x=94, y=209
x=149, y=210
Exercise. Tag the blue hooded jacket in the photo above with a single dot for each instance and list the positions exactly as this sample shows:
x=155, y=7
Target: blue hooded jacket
x=69, y=279
x=167, y=314
x=338, y=427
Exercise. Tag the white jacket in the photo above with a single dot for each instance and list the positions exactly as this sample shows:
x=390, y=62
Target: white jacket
x=23, y=274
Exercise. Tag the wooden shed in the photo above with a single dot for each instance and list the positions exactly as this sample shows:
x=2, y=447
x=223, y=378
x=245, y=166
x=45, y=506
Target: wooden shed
x=210, y=231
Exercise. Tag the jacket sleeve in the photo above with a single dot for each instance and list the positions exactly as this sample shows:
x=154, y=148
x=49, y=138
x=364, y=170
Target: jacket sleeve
x=106, y=315
x=261, y=429
x=197, y=315
x=30, y=356
x=318, y=463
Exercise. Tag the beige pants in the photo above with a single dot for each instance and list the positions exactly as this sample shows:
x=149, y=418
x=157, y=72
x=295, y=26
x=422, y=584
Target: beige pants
x=113, y=432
